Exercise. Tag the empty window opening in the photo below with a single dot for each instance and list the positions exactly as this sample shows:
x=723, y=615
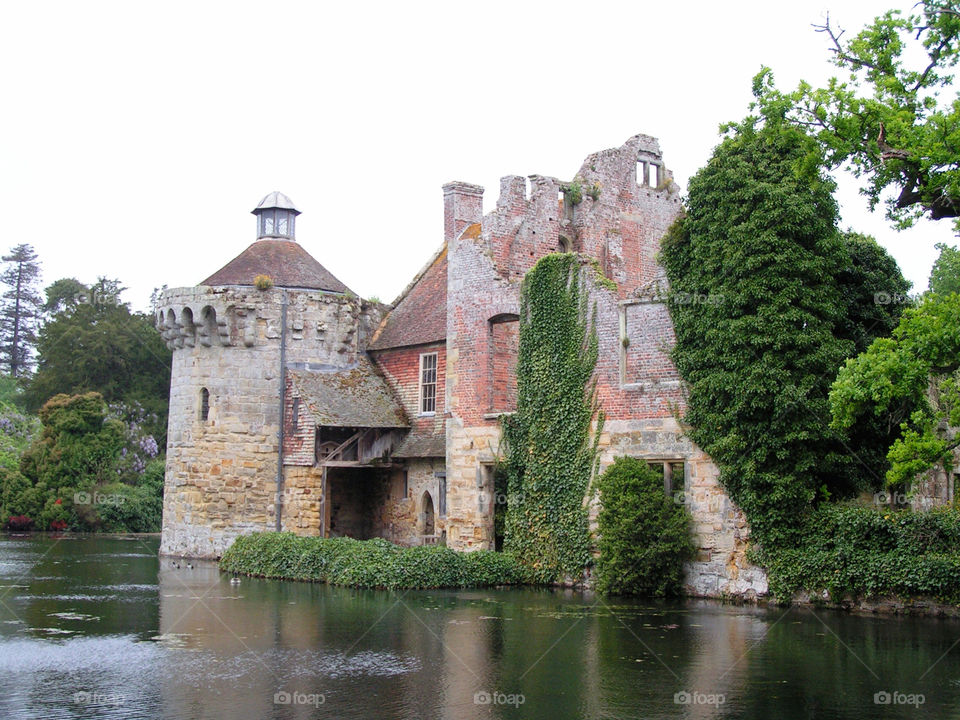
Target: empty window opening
x=428, y=383
x=672, y=472
x=564, y=245
x=654, y=175
x=204, y=404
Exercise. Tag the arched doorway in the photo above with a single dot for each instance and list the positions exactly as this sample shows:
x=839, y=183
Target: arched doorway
x=427, y=524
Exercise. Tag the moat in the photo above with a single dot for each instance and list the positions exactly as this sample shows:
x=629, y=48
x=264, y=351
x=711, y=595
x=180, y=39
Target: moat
x=100, y=627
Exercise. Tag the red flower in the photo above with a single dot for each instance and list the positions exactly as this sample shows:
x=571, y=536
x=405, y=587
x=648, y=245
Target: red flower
x=59, y=502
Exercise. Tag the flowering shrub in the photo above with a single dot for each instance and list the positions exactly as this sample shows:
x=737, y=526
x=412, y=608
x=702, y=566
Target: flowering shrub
x=17, y=523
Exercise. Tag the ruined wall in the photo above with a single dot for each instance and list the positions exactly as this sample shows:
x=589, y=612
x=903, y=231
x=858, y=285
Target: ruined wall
x=637, y=384
x=221, y=472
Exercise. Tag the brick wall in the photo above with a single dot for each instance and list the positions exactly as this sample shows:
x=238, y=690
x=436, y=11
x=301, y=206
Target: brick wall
x=401, y=366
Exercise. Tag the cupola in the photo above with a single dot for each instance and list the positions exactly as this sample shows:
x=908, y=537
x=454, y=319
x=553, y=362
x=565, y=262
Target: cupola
x=276, y=217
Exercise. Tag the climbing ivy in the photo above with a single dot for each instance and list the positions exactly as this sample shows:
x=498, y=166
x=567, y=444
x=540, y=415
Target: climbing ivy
x=550, y=456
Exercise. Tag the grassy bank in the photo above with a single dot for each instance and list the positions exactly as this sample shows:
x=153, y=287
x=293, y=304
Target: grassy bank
x=366, y=563
x=867, y=552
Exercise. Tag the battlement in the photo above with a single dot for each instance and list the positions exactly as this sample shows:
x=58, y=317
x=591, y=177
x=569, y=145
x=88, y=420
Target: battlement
x=327, y=325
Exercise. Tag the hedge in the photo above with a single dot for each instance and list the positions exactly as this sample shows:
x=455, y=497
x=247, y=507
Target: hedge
x=366, y=563
x=870, y=552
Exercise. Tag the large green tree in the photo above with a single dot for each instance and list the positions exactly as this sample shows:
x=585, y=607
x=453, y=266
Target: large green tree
x=945, y=274
x=790, y=298
x=20, y=306
x=96, y=343
x=909, y=383
x=894, y=118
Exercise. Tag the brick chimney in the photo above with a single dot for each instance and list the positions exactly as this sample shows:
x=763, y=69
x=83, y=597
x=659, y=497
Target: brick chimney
x=462, y=206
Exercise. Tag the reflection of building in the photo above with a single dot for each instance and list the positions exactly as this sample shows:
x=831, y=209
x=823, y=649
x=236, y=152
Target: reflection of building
x=391, y=413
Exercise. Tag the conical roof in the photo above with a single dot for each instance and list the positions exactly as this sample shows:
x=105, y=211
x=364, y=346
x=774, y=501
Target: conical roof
x=283, y=261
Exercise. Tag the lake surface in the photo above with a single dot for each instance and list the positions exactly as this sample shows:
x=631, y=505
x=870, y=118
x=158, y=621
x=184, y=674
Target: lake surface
x=100, y=627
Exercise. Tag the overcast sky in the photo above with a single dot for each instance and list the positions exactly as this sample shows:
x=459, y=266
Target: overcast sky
x=137, y=138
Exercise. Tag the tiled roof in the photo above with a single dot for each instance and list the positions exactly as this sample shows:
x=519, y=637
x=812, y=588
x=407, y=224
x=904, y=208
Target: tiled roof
x=351, y=397
x=421, y=446
x=284, y=261
x=420, y=315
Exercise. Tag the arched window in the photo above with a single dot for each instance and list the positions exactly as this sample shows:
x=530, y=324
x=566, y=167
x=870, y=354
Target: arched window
x=204, y=404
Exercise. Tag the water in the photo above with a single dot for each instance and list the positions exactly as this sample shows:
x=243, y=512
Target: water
x=99, y=627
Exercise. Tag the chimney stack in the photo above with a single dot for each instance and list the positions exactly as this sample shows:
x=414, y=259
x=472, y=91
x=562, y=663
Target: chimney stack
x=462, y=206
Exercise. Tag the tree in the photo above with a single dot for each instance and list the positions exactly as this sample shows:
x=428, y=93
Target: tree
x=789, y=300
x=895, y=119
x=95, y=343
x=19, y=308
x=945, y=274
x=910, y=383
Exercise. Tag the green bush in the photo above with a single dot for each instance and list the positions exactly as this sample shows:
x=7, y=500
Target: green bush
x=644, y=536
x=868, y=552
x=366, y=563
x=135, y=508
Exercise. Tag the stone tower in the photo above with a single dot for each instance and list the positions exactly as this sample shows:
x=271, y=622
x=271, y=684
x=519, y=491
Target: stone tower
x=233, y=337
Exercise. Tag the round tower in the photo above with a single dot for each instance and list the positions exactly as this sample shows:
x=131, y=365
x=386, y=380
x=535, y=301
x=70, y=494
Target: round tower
x=233, y=336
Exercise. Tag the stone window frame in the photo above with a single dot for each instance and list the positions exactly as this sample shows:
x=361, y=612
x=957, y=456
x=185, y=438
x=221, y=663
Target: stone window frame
x=423, y=398
x=204, y=405
x=670, y=481
x=624, y=341
x=441, y=493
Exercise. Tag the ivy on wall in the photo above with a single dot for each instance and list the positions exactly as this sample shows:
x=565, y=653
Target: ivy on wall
x=550, y=455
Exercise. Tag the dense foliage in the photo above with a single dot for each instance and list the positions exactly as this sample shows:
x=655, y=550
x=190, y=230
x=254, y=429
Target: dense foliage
x=90, y=468
x=645, y=537
x=760, y=236
x=550, y=455
x=366, y=563
x=869, y=552
x=894, y=120
x=911, y=384
x=94, y=342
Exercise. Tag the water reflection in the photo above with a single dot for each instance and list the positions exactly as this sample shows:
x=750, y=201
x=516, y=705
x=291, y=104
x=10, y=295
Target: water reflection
x=99, y=627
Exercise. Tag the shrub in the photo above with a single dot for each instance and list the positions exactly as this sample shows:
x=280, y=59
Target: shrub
x=644, y=536
x=366, y=563
x=867, y=552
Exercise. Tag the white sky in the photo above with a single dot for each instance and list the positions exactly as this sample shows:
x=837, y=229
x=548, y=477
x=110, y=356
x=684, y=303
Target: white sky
x=136, y=139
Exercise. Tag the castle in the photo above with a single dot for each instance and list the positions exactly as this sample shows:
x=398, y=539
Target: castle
x=295, y=405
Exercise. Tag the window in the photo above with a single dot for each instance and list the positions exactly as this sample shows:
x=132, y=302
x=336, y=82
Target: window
x=441, y=493
x=428, y=383
x=204, y=404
